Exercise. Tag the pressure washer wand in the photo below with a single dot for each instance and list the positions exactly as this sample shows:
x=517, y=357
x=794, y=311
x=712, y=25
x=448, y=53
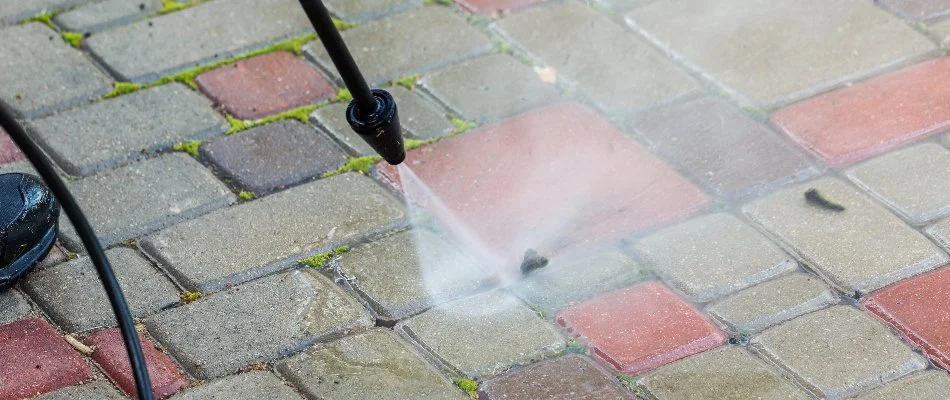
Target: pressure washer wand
x=372, y=114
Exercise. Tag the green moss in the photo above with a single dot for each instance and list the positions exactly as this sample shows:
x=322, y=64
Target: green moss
x=45, y=18
x=246, y=195
x=412, y=144
x=321, y=260
x=343, y=95
x=628, y=381
x=73, y=38
x=575, y=347
x=188, y=297
x=470, y=386
x=188, y=147
x=71, y=256
x=342, y=25
x=408, y=82
x=360, y=164
x=129, y=243
x=448, y=3
x=461, y=125
x=301, y=114
x=170, y=6
x=120, y=88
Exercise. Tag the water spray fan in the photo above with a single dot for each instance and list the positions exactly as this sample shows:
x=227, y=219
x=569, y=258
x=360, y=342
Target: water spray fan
x=372, y=114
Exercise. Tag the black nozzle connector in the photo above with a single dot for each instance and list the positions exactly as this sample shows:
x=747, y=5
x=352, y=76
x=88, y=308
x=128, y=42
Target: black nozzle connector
x=380, y=127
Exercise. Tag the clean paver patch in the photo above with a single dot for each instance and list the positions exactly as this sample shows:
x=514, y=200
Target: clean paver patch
x=253, y=239
x=723, y=373
x=639, y=328
x=733, y=43
x=712, y=256
x=249, y=385
x=772, y=302
x=139, y=198
x=483, y=335
x=371, y=365
x=860, y=249
x=257, y=322
x=115, y=132
x=926, y=385
x=73, y=297
x=572, y=376
x=418, y=116
x=838, y=352
x=910, y=181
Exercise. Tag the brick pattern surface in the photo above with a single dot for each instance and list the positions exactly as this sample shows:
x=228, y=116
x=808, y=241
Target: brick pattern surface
x=265, y=85
x=98, y=390
x=716, y=39
x=922, y=385
x=920, y=309
x=358, y=10
x=249, y=385
x=538, y=160
x=573, y=376
x=639, y=328
x=858, y=122
x=35, y=359
x=772, y=302
x=15, y=10
x=111, y=356
x=104, y=14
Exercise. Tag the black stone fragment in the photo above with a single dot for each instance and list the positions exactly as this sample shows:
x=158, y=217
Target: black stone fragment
x=532, y=261
x=816, y=199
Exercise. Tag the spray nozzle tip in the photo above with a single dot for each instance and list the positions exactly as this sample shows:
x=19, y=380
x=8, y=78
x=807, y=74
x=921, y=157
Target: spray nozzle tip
x=380, y=128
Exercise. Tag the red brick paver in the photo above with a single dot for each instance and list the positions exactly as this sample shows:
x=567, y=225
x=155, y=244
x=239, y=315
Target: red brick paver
x=640, y=328
x=855, y=123
x=558, y=175
x=35, y=359
x=9, y=152
x=492, y=6
x=920, y=309
x=264, y=85
x=111, y=355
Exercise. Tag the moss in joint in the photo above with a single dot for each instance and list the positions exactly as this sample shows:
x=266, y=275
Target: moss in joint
x=301, y=114
x=73, y=38
x=408, y=82
x=470, y=386
x=343, y=95
x=188, y=297
x=321, y=260
x=245, y=195
x=45, y=18
x=120, y=88
x=447, y=3
x=575, y=347
x=462, y=125
x=170, y=6
x=342, y=25
x=129, y=243
x=361, y=164
x=189, y=147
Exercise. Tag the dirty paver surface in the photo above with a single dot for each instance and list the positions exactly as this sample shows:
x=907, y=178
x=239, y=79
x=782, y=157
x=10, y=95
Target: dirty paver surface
x=737, y=199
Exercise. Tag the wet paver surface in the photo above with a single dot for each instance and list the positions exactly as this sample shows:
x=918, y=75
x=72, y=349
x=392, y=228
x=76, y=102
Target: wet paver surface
x=737, y=199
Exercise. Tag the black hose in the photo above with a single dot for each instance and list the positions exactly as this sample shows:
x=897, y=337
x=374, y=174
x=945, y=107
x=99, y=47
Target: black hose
x=340, y=55
x=91, y=242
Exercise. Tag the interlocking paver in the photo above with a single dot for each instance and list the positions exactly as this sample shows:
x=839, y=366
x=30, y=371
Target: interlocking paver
x=941, y=232
x=713, y=256
x=613, y=67
x=15, y=10
x=585, y=181
x=858, y=250
x=483, y=335
x=723, y=373
x=104, y=14
x=112, y=357
x=13, y=306
x=716, y=144
x=274, y=156
x=838, y=352
x=34, y=360
x=733, y=43
x=332, y=119
x=910, y=181
x=772, y=302
x=402, y=275
x=9, y=152
x=372, y=365
x=72, y=295
x=420, y=117
x=572, y=376
x=569, y=280
x=920, y=309
x=406, y=49
x=41, y=73
x=926, y=385
x=487, y=89
x=639, y=328
x=115, y=132
x=266, y=235
x=247, y=386
x=142, y=197
x=359, y=10
x=918, y=9
x=98, y=390
x=145, y=50
x=255, y=322
x=495, y=6
x=265, y=85
x=871, y=117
